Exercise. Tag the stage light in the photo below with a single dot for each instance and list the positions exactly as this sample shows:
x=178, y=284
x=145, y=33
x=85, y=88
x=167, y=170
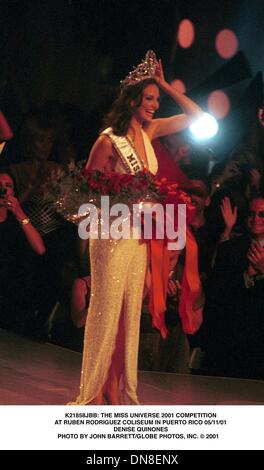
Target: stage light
x=218, y=104
x=186, y=33
x=205, y=127
x=226, y=43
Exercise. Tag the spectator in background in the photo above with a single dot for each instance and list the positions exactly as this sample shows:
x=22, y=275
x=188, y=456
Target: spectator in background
x=20, y=242
x=38, y=141
x=235, y=298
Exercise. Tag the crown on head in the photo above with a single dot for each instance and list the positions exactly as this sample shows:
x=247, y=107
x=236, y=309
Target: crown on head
x=146, y=69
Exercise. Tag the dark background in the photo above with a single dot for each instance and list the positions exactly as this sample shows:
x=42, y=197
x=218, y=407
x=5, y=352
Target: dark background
x=77, y=51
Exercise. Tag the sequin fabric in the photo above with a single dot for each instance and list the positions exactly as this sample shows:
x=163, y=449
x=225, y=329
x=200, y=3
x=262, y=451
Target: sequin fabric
x=118, y=269
x=118, y=272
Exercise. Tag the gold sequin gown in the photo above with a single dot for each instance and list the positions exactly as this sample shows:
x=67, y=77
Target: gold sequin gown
x=118, y=269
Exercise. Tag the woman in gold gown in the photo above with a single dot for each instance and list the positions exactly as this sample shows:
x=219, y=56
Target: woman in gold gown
x=118, y=267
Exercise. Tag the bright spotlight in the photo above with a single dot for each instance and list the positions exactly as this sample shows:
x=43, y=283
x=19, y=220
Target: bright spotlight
x=205, y=127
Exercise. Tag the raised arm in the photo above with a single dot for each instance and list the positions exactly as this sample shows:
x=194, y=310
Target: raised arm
x=32, y=235
x=166, y=126
x=230, y=217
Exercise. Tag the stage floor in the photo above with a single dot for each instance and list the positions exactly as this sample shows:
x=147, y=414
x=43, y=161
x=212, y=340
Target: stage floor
x=45, y=374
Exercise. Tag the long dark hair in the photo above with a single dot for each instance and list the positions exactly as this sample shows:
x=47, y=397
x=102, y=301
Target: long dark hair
x=121, y=113
x=6, y=171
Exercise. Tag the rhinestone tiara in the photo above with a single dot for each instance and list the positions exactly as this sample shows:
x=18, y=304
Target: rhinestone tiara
x=146, y=69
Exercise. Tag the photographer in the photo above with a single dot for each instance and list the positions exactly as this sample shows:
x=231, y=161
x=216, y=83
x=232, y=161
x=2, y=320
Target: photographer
x=19, y=244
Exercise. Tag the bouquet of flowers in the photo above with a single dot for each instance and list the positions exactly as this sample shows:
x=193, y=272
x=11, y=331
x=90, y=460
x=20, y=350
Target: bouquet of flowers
x=125, y=188
x=73, y=187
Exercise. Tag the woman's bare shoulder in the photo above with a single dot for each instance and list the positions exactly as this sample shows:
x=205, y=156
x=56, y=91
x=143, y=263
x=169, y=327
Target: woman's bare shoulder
x=102, y=154
x=103, y=142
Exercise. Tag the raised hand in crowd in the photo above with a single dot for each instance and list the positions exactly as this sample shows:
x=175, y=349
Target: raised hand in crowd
x=229, y=216
x=255, y=256
x=9, y=203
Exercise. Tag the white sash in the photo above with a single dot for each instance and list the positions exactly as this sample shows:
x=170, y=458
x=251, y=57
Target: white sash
x=126, y=152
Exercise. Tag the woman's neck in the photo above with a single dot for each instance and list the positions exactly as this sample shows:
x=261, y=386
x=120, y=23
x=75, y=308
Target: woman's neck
x=135, y=123
x=134, y=128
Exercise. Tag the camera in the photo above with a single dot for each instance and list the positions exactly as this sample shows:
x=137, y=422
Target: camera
x=3, y=192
